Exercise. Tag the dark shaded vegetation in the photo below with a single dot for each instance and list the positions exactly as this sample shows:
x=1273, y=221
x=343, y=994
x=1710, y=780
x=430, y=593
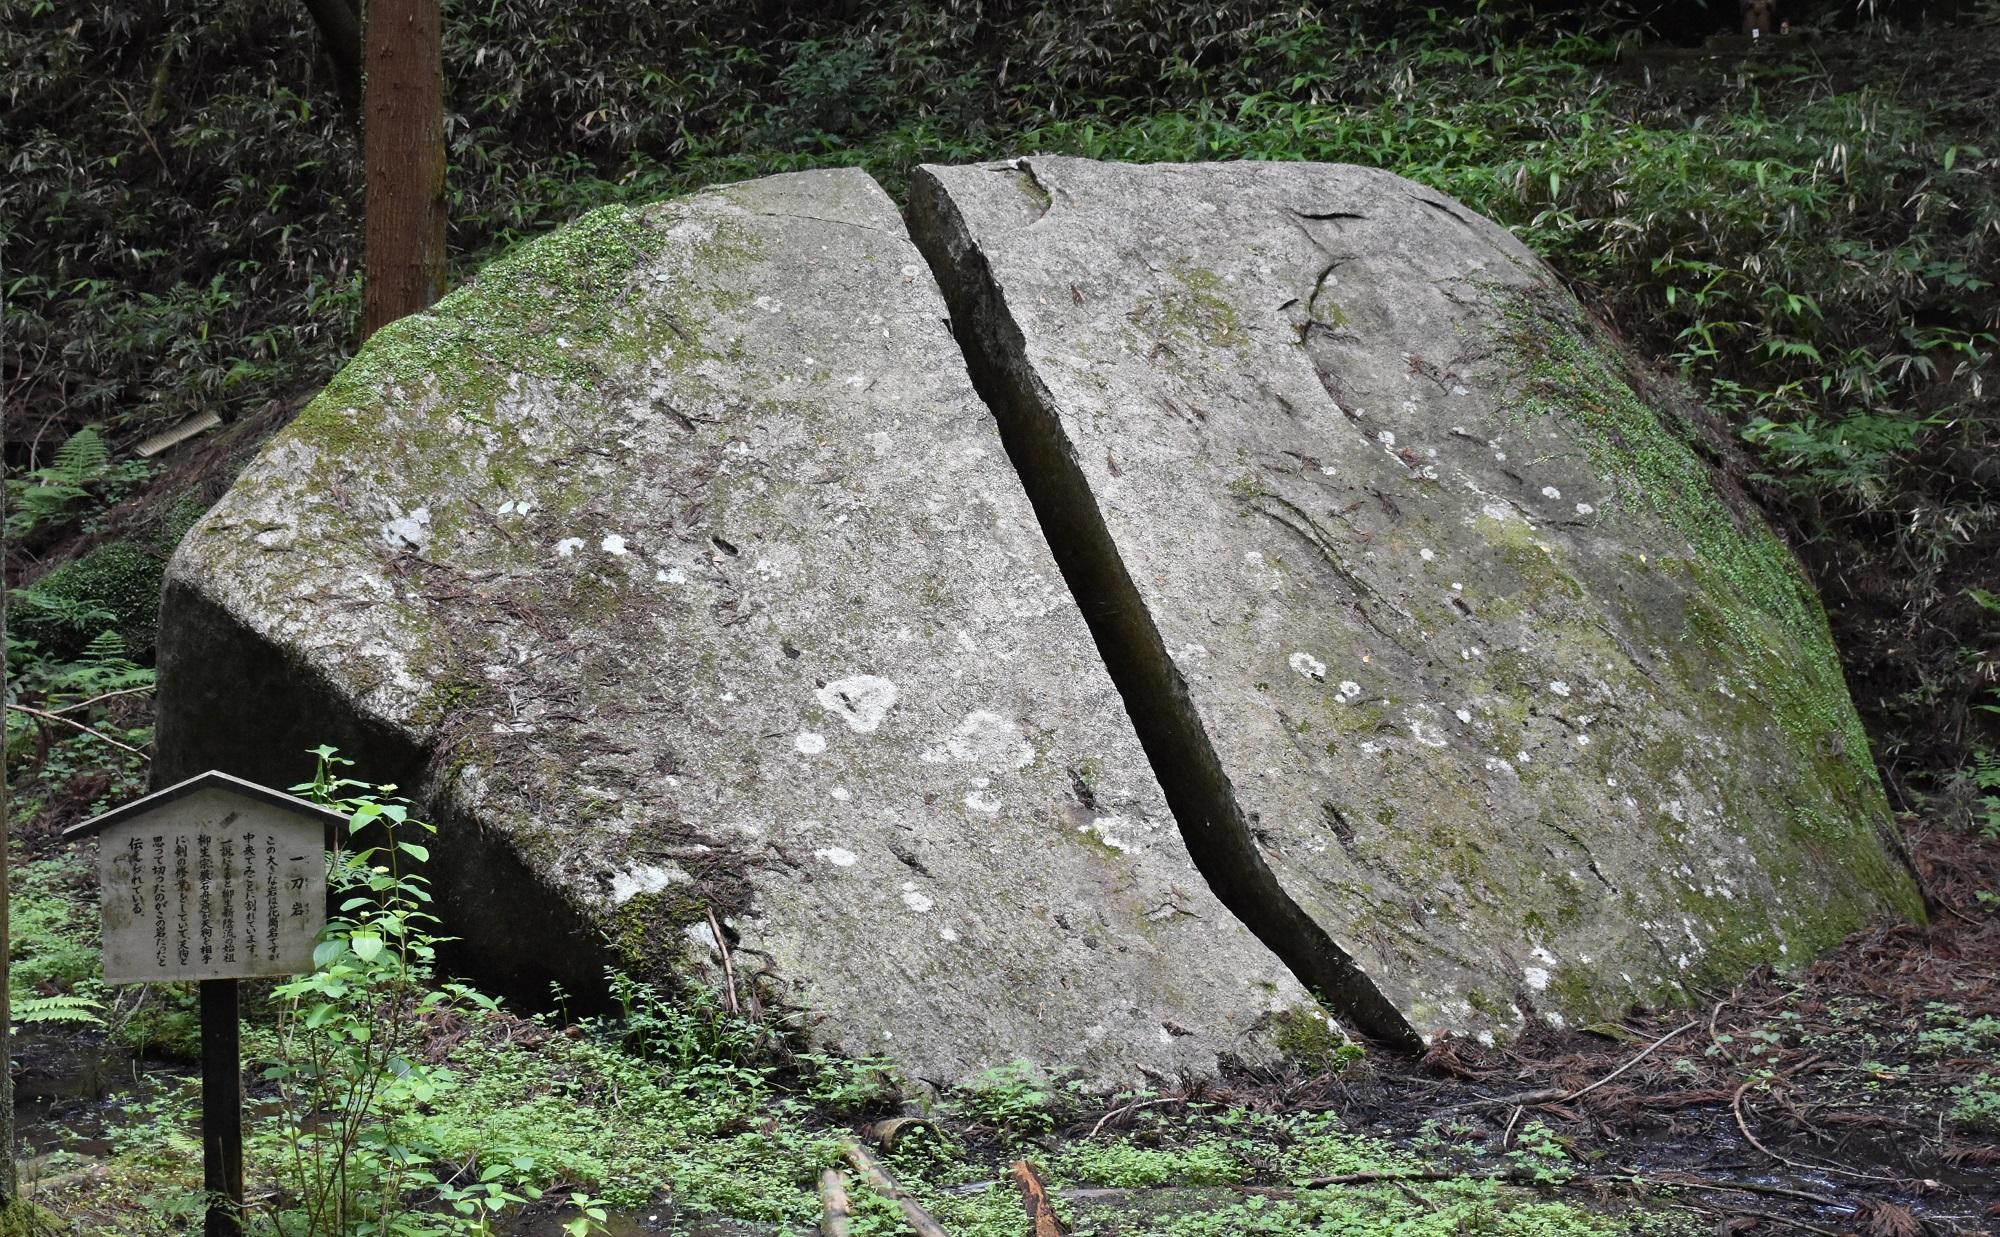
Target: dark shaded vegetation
x=1807, y=228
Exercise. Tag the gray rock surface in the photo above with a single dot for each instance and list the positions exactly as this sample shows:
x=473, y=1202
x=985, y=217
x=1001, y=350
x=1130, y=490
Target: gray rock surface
x=1421, y=610
x=676, y=567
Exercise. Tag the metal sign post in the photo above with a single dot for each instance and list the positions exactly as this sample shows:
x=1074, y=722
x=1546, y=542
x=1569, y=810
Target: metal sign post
x=213, y=880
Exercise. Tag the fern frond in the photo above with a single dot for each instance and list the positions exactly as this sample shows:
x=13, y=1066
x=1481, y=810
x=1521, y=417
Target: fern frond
x=82, y=458
x=56, y=1009
x=105, y=650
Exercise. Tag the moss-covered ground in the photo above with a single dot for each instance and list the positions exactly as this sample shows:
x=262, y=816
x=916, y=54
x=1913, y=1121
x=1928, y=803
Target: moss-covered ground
x=1866, y=1082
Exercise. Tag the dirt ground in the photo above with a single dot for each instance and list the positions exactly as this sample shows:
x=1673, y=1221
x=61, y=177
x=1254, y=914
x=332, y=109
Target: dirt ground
x=1860, y=1095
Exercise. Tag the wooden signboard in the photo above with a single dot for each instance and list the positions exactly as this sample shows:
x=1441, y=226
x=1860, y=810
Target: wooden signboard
x=211, y=886
x=214, y=879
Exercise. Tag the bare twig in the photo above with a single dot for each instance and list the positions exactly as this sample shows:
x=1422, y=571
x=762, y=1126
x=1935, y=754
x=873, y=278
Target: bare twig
x=1736, y=1109
x=1765, y=1217
x=95, y=734
x=1128, y=1109
x=722, y=950
x=84, y=704
x=1556, y=1095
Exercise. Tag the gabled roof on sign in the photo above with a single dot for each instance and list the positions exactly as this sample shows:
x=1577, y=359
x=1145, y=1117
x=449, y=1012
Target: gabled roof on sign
x=214, y=779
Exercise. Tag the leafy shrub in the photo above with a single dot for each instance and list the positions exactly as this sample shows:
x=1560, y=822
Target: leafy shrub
x=1812, y=234
x=115, y=587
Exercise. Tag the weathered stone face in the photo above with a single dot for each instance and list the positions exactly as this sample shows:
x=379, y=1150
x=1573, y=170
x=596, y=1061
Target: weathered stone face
x=1519, y=713
x=680, y=555
x=677, y=569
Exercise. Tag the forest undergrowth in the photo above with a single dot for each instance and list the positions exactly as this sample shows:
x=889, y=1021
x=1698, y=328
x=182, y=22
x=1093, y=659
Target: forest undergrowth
x=1806, y=229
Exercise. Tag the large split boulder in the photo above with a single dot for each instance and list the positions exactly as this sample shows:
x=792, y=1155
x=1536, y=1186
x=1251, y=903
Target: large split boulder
x=1432, y=615
x=677, y=567
x=1277, y=586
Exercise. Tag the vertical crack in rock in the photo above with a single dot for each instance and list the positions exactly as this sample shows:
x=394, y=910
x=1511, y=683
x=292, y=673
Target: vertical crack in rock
x=1198, y=791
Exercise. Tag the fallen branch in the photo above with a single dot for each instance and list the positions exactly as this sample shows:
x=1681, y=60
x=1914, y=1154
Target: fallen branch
x=1127, y=1109
x=1762, y=1216
x=84, y=704
x=57, y=717
x=1556, y=1095
x=882, y=1183
x=1035, y=1200
x=1736, y=1110
x=834, y=1206
x=722, y=951
x=1688, y=1182
x=1681, y=1181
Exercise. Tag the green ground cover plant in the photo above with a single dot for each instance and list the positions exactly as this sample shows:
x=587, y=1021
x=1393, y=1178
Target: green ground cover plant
x=1810, y=230
x=390, y=1100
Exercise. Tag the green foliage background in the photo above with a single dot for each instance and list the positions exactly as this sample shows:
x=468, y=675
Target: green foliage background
x=1810, y=229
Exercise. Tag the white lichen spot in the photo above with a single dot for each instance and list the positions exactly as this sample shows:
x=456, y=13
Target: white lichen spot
x=838, y=856
x=568, y=546
x=412, y=530
x=1524, y=758
x=917, y=902
x=1427, y=554
x=948, y=935
x=1550, y=491
x=1253, y=557
x=1104, y=830
x=1585, y=509
x=1326, y=470
x=613, y=544
x=862, y=700
x=1305, y=665
x=1537, y=977
x=1560, y=688
x=1485, y=1039
x=840, y=794
x=1464, y=715
x=986, y=739
x=1583, y=740
x=809, y=743
x=1386, y=438
x=1348, y=692
x=980, y=801
x=634, y=881
x=1556, y=1020
x=1426, y=734
x=701, y=938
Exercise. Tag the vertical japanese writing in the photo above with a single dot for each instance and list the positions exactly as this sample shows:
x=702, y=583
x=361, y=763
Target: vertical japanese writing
x=181, y=890
x=135, y=855
x=249, y=895
x=159, y=875
x=205, y=874
x=228, y=930
x=271, y=896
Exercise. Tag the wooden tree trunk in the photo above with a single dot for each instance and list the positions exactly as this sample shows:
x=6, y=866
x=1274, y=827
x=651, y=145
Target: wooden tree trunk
x=403, y=150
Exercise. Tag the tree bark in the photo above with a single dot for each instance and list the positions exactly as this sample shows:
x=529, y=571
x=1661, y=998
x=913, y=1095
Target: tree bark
x=403, y=151
x=339, y=25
